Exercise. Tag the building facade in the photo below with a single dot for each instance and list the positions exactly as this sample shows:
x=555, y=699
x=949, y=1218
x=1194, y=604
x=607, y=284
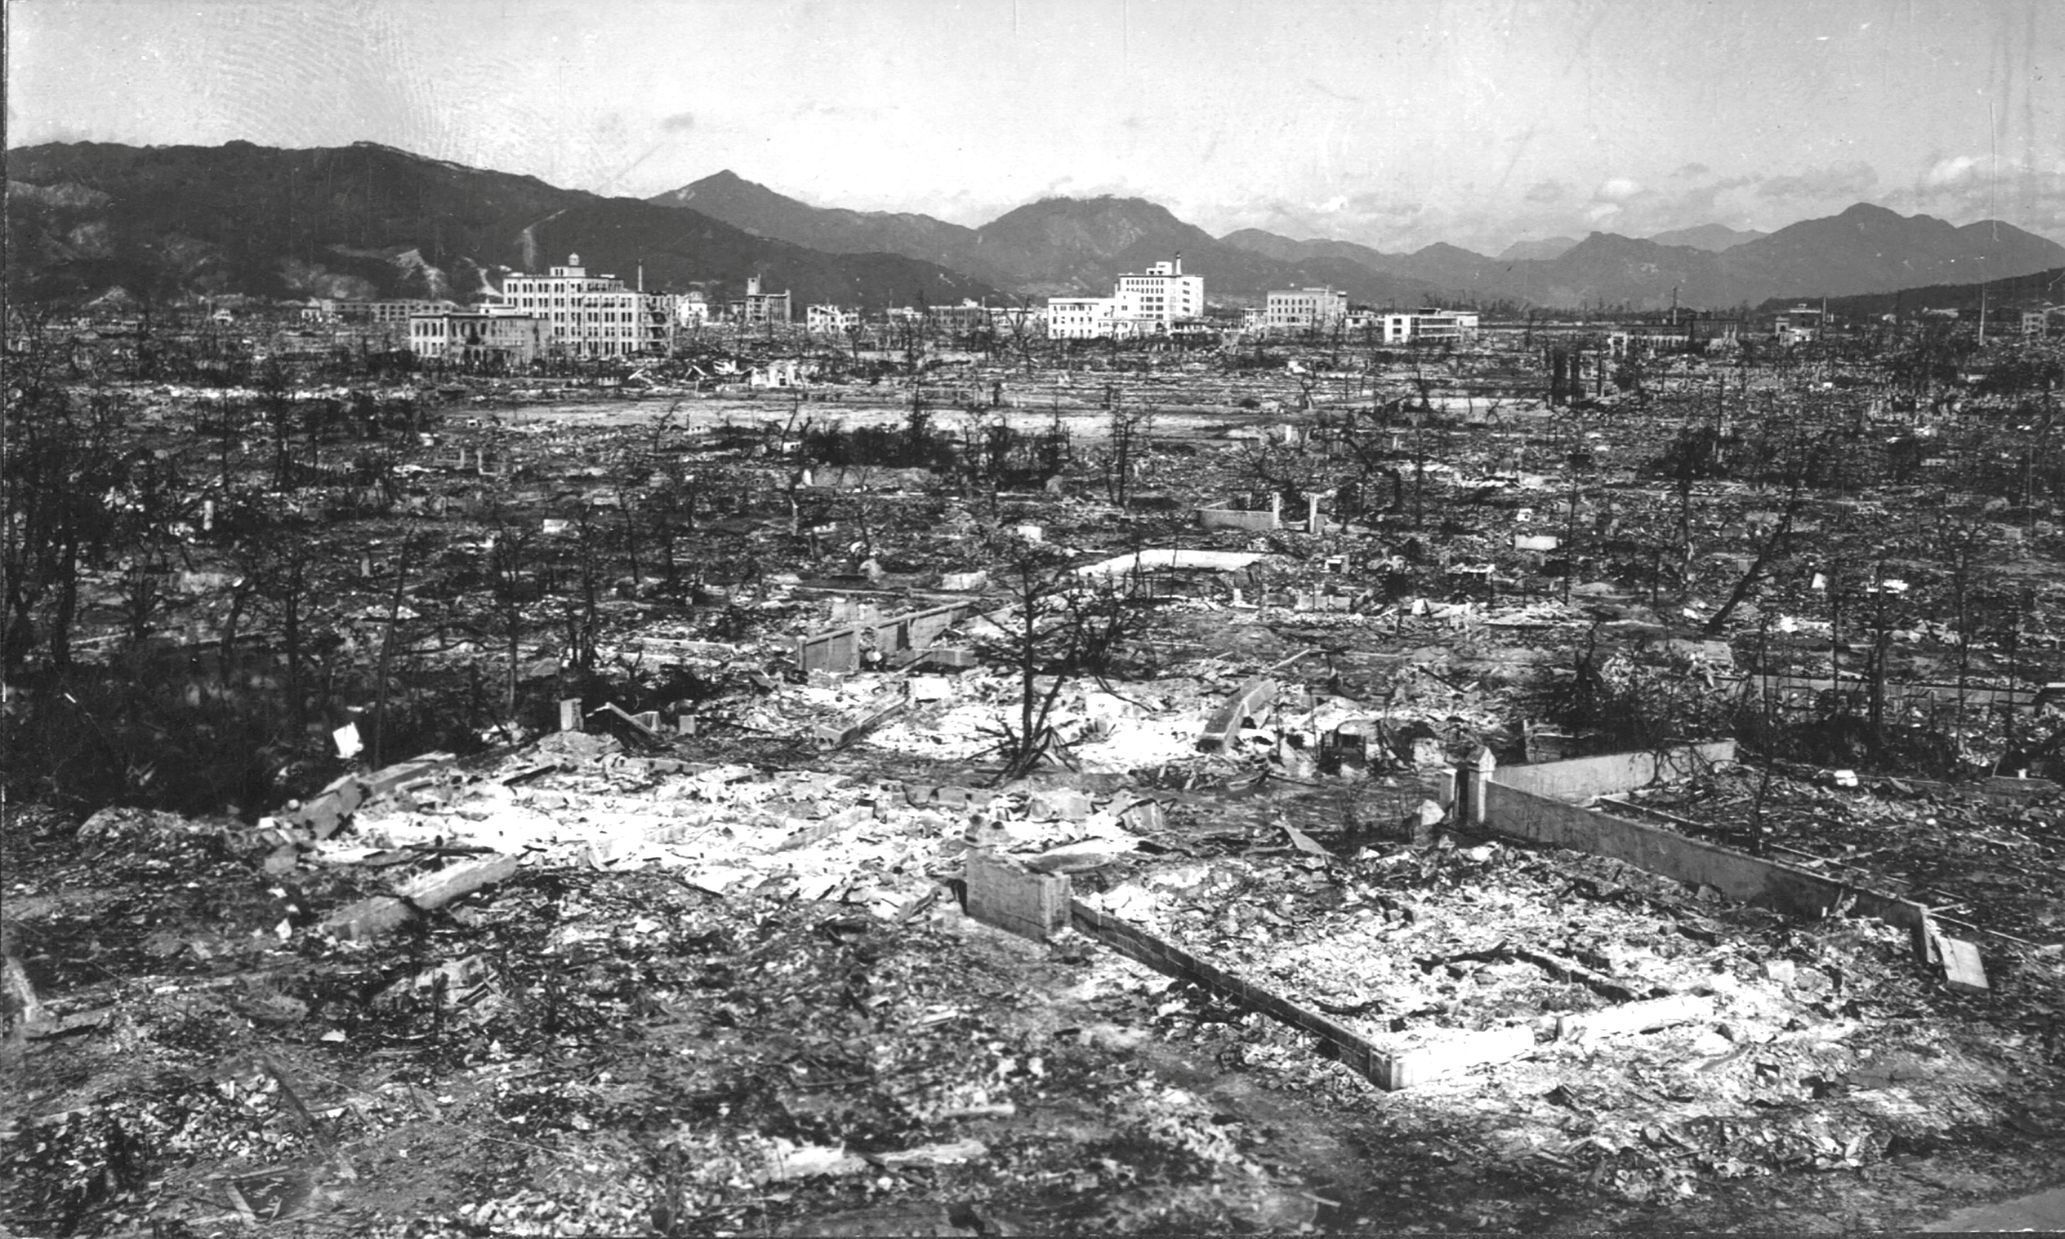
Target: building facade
x=691, y=309
x=475, y=337
x=757, y=308
x=1081, y=318
x=1161, y=295
x=392, y=310
x=1305, y=309
x=590, y=315
x=1429, y=327
x=829, y=320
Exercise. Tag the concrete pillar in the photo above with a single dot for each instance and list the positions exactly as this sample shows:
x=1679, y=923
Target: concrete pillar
x=570, y=714
x=1475, y=777
x=1313, y=523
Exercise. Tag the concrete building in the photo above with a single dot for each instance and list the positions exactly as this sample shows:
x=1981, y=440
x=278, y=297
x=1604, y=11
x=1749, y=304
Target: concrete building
x=480, y=337
x=1800, y=325
x=392, y=310
x=691, y=309
x=1161, y=295
x=1429, y=327
x=1081, y=318
x=1305, y=309
x=591, y=315
x=829, y=320
x=1149, y=302
x=757, y=308
x=958, y=319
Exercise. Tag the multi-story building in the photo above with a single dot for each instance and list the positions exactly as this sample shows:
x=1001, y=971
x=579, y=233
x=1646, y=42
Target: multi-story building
x=1429, y=327
x=758, y=308
x=480, y=336
x=590, y=315
x=1161, y=295
x=1305, y=309
x=1141, y=303
x=1800, y=325
x=1081, y=318
x=965, y=317
x=829, y=320
x=393, y=310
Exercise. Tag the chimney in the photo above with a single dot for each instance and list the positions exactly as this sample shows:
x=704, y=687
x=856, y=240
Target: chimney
x=641, y=277
x=573, y=260
x=1179, y=262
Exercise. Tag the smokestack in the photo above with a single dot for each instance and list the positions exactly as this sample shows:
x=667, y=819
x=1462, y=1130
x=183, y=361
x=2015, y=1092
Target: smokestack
x=1179, y=262
x=641, y=277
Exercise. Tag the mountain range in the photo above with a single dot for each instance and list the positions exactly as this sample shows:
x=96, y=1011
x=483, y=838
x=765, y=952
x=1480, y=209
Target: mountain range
x=370, y=220
x=1076, y=245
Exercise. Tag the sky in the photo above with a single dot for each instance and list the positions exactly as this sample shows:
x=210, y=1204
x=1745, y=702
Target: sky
x=1395, y=123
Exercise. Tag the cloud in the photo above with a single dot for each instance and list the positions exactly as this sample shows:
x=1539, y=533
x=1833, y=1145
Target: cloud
x=1691, y=169
x=680, y=122
x=1961, y=188
x=1548, y=191
x=1950, y=173
x=1847, y=180
x=1617, y=189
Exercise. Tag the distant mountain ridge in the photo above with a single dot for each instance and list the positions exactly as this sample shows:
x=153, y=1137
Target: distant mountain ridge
x=1864, y=249
x=1712, y=238
x=369, y=220
x=1056, y=246
x=365, y=220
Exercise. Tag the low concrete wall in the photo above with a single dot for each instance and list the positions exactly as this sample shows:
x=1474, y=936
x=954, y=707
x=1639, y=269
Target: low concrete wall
x=1747, y=879
x=900, y=638
x=1173, y=961
x=1225, y=722
x=1000, y=893
x=1238, y=518
x=1582, y=778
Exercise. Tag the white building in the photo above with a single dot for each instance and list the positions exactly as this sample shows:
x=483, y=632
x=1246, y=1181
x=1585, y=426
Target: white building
x=1305, y=309
x=829, y=320
x=1141, y=303
x=479, y=336
x=1081, y=318
x=691, y=309
x=591, y=315
x=1161, y=294
x=1429, y=326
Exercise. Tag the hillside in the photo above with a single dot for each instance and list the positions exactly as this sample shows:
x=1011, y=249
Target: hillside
x=368, y=220
x=1871, y=249
x=2003, y=297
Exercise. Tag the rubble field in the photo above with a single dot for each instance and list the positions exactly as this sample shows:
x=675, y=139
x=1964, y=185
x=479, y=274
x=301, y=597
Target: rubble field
x=490, y=805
